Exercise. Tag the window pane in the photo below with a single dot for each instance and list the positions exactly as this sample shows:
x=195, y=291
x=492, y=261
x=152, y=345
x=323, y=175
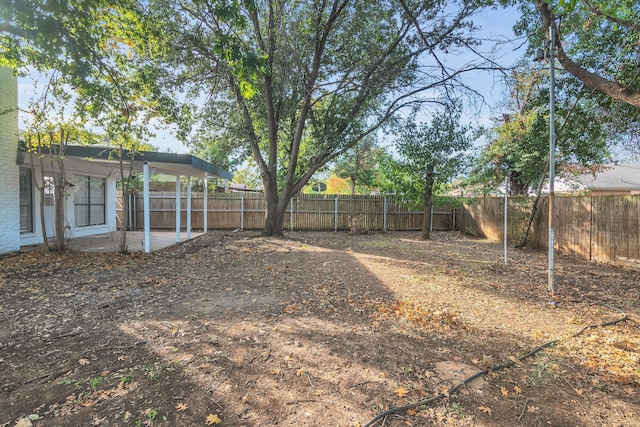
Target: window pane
x=97, y=214
x=82, y=215
x=97, y=190
x=26, y=201
x=49, y=191
x=81, y=196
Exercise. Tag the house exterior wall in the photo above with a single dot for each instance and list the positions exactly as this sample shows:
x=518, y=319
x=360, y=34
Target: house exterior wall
x=72, y=230
x=9, y=171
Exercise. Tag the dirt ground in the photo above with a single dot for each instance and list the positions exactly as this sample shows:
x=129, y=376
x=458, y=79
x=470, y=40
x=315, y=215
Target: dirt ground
x=317, y=329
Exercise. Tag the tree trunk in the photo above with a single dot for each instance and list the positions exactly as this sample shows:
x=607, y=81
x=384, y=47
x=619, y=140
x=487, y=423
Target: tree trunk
x=43, y=222
x=59, y=188
x=41, y=190
x=515, y=184
x=124, y=220
x=59, y=216
x=274, y=218
x=352, y=186
x=428, y=205
x=126, y=181
x=534, y=209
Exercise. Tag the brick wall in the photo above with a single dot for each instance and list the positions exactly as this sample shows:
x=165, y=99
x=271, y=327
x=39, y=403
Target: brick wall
x=9, y=179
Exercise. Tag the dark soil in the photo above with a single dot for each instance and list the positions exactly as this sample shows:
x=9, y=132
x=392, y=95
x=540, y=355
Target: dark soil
x=316, y=329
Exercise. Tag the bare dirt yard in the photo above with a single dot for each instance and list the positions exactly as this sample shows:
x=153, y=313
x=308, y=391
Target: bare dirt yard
x=317, y=329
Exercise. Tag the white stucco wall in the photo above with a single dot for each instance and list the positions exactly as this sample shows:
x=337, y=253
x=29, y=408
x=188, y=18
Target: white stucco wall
x=9, y=175
x=110, y=211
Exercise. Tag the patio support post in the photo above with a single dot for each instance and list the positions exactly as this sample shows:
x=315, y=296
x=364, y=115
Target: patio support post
x=242, y=211
x=205, y=203
x=291, y=214
x=188, y=207
x=147, y=207
x=177, y=208
x=431, y=220
x=335, y=215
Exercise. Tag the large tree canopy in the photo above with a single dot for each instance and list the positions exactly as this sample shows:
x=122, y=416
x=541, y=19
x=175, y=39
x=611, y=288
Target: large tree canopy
x=300, y=82
x=596, y=42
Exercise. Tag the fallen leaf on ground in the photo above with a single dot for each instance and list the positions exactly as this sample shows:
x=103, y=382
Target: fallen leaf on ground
x=401, y=391
x=213, y=419
x=182, y=407
x=505, y=392
x=485, y=409
x=84, y=361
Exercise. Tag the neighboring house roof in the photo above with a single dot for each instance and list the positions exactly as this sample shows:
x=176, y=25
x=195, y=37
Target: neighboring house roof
x=615, y=177
x=105, y=158
x=239, y=187
x=563, y=185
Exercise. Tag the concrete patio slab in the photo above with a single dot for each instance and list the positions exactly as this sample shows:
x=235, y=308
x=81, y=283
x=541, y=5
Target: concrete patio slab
x=110, y=242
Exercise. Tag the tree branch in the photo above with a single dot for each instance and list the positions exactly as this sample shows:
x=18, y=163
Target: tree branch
x=611, y=88
x=598, y=12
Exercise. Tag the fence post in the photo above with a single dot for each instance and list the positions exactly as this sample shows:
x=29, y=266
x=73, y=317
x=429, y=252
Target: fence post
x=335, y=218
x=242, y=211
x=506, y=218
x=291, y=214
x=431, y=221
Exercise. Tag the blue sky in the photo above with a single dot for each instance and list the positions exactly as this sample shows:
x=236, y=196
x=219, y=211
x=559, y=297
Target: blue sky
x=495, y=25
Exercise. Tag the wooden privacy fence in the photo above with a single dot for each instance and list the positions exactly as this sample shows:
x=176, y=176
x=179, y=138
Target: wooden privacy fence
x=597, y=228
x=246, y=211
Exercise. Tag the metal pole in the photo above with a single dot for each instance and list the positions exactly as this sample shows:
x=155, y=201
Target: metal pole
x=506, y=218
x=552, y=155
x=147, y=207
x=384, y=215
